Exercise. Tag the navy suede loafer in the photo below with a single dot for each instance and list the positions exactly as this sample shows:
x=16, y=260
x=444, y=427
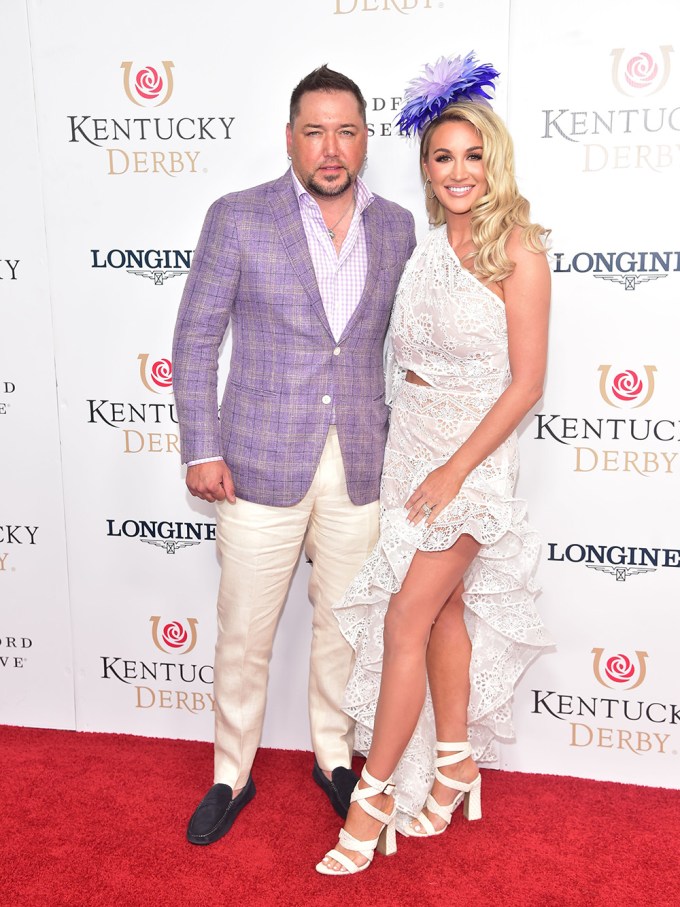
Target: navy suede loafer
x=338, y=788
x=217, y=812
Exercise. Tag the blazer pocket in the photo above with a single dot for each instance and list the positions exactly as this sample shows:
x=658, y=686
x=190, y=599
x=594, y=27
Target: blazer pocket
x=249, y=391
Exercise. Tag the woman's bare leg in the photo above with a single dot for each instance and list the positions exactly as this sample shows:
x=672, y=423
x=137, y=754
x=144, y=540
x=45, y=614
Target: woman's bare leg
x=448, y=673
x=429, y=583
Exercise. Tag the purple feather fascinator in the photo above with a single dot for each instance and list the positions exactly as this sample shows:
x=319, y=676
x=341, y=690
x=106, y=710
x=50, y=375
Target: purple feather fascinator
x=448, y=80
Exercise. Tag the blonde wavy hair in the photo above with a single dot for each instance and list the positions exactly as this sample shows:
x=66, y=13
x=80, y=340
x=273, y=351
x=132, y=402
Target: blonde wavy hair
x=498, y=212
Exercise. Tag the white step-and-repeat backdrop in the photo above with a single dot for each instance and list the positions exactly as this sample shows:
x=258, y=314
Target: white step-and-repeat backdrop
x=121, y=125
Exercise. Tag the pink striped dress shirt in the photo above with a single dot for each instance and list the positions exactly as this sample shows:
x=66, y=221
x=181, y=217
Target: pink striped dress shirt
x=340, y=277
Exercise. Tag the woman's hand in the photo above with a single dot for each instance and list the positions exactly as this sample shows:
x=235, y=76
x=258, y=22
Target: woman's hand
x=433, y=494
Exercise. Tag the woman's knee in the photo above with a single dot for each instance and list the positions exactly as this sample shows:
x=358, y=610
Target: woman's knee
x=453, y=607
x=404, y=627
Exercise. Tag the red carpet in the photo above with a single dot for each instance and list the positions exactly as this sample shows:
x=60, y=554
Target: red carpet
x=99, y=819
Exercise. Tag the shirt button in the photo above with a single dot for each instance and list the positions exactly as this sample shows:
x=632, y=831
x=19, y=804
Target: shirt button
x=325, y=399
x=336, y=351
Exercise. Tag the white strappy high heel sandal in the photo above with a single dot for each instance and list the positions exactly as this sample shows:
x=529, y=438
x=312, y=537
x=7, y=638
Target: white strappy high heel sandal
x=385, y=843
x=471, y=793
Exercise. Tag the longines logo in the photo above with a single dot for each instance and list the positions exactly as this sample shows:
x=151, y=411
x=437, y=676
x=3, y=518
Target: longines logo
x=6, y=388
x=624, y=388
x=621, y=673
x=10, y=646
x=150, y=86
x=175, y=638
x=404, y=7
x=166, y=534
x=619, y=561
x=156, y=376
x=14, y=534
x=626, y=269
x=157, y=265
x=605, y=134
x=8, y=268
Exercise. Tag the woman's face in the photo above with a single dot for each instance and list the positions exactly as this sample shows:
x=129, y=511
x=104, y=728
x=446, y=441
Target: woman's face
x=455, y=166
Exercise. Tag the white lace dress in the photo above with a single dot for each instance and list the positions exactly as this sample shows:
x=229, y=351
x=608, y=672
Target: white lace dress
x=451, y=331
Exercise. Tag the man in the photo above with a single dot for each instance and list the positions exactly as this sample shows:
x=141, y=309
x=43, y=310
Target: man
x=305, y=269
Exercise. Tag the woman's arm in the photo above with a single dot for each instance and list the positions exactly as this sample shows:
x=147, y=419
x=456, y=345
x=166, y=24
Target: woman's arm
x=527, y=302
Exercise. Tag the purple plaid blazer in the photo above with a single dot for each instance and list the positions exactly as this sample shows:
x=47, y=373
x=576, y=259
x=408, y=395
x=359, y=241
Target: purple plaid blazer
x=252, y=268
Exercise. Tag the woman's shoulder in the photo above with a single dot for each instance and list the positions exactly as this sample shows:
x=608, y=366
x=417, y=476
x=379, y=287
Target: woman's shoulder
x=519, y=250
x=530, y=263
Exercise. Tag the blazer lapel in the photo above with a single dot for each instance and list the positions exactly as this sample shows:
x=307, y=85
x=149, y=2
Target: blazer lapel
x=373, y=231
x=286, y=213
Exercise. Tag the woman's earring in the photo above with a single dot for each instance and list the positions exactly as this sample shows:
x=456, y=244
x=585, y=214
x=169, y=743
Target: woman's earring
x=427, y=194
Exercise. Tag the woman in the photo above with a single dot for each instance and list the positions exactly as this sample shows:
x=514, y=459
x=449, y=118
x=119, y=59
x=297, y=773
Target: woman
x=448, y=588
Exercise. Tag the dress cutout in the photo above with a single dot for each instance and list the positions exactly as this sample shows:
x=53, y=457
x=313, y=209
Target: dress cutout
x=450, y=330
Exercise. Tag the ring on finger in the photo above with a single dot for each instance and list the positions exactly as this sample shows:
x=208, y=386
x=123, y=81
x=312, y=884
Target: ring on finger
x=427, y=510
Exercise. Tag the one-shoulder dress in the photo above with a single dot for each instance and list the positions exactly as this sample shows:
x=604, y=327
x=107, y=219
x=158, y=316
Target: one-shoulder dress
x=451, y=331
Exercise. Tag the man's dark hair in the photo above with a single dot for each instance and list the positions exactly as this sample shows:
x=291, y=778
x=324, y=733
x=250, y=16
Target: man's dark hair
x=325, y=79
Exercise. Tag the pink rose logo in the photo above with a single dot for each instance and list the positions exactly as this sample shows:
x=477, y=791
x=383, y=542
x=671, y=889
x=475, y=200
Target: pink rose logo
x=641, y=74
x=156, y=374
x=619, y=671
x=627, y=386
x=174, y=635
x=619, y=668
x=148, y=83
x=632, y=388
x=161, y=373
x=641, y=71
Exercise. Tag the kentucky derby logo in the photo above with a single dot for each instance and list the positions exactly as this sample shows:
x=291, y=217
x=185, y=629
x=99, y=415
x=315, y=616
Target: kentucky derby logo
x=640, y=74
x=619, y=672
x=628, y=389
x=174, y=638
x=156, y=376
x=147, y=87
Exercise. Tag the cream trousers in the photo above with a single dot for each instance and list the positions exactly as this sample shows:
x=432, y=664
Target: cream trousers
x=259, y=547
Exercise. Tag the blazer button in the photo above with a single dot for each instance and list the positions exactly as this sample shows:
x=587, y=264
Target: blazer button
x=325, y=399
x=336, y=351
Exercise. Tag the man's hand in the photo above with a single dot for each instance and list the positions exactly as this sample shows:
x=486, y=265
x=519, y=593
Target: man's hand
x=211, y=482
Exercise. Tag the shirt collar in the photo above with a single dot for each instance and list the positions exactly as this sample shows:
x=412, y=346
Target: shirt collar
x=364, y=196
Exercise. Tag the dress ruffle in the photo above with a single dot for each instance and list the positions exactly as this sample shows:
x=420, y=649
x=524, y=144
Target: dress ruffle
x=505, y=629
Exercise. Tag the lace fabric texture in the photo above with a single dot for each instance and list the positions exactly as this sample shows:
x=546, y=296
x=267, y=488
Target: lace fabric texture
x=451, y=330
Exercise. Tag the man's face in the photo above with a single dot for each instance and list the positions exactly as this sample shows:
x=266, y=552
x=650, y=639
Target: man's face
x=327, y=142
